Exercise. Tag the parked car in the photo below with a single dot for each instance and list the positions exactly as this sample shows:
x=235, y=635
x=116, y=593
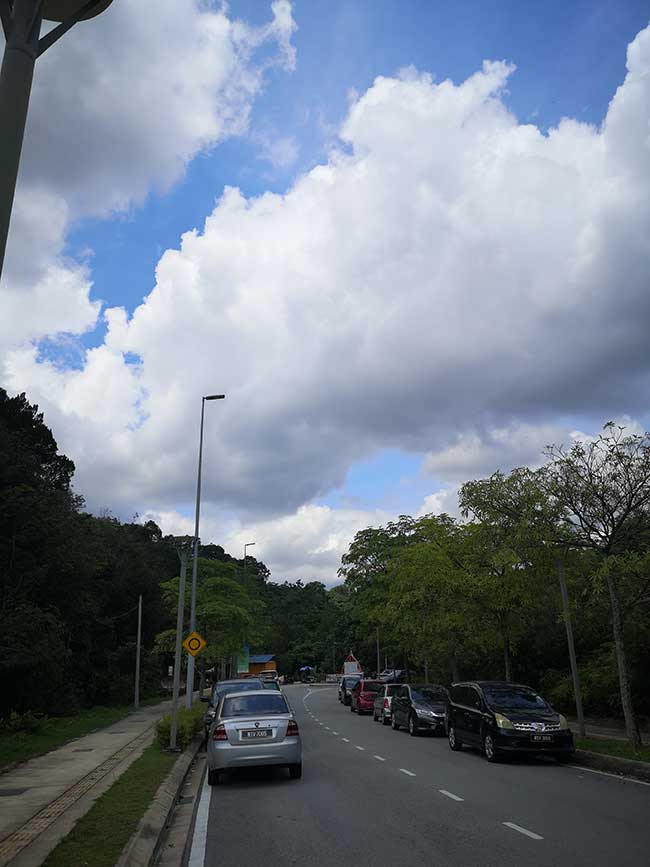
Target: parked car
x=499, y=717
x=362, y=695
x=345, y=685
x=270, y=674
x=221, y=688
x=253, y=729
x=419, y=708
x=392, y=675
x=271, y=684
x=382, y=703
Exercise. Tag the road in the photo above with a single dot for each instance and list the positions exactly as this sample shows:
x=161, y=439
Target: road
x=370, y=795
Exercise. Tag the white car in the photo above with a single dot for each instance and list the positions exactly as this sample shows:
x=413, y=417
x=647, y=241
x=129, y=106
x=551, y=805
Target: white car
x=253, y=729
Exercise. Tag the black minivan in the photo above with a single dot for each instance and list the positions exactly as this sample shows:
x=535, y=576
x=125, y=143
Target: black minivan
x=500, y=717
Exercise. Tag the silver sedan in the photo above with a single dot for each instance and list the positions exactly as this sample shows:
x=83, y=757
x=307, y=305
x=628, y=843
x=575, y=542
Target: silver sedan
x=252, y=729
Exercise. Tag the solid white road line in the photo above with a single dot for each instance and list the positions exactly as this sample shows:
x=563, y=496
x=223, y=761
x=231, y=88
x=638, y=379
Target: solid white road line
x=408, y=773
x=531, y=834
x=347, y=740
x=379, y=758
x=607, y=774
x=200, y=836
x=450, y=795
x=360, y=748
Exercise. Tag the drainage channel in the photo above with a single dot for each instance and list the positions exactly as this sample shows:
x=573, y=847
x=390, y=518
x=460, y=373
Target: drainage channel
x=27, y=833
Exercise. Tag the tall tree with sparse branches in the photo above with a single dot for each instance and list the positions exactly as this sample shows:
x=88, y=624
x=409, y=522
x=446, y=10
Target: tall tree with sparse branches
x=603, y=489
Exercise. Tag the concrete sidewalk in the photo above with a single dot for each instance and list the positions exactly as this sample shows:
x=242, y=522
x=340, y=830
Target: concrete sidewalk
x=37, y=795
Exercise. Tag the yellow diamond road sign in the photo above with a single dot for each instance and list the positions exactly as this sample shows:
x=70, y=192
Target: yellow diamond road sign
x=194, y=643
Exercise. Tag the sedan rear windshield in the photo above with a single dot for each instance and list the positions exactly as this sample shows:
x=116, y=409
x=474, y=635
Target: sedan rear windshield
x=509, y=697
x=350, y=681
x=269, y=704
x=393, y=688
x=237, y=686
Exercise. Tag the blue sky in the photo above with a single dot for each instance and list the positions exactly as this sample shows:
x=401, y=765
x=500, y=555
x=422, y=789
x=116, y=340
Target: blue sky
x=453, y=290
x=569, y=56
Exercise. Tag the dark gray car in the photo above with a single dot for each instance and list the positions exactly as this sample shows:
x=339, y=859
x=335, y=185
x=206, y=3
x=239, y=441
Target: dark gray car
x=223, y=687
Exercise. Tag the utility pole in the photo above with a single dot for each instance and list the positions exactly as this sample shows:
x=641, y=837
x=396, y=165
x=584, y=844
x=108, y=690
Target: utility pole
x=21, y=23
x=378, y=654
x=136, y=701
x=182, y=550
x=575, y=674
x=426, y=671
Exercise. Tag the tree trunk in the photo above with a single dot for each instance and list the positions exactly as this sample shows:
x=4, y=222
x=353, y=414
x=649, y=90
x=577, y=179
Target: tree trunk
x=455, y=670
x=626, y=699
x=506, y=659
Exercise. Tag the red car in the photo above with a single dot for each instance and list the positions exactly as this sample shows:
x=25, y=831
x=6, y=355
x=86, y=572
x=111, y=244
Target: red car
x=363, y=694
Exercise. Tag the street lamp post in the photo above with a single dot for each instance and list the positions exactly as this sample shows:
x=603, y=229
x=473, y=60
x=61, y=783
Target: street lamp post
x=195, y=559
x=21, y=23
x=247, y=545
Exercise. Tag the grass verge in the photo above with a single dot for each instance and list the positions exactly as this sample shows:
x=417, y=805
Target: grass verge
x=613, y=748
x=98, y=838
x=18, y=746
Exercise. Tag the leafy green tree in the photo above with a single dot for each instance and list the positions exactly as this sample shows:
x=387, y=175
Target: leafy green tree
x=603, y=490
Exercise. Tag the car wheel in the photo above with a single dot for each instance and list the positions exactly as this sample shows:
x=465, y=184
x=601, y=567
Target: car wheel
x=351, y=708
x=489, y=748
x=384, y=721
x=295, y=771
x=374, y=716
x=393, y=724
x=454, y=741
x=414, y=731
x=214, y=777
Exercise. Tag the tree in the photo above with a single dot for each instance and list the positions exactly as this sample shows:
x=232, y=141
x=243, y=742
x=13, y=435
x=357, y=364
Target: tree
x=603, y=490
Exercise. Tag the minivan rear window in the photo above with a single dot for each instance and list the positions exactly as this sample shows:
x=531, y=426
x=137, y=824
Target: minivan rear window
x=371, y=686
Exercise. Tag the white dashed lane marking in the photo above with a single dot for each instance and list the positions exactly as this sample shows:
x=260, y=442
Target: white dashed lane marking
x=531, y=834
x=361, y=748
x=347, y=740
x=379, y=758
x=450, y=795
x=408, y=773
x=334, y=733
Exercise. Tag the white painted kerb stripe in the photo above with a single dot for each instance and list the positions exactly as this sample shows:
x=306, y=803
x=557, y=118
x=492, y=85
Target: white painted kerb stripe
x=200, y=836
x=531, y=834
x=408, y=773
x=450, y=795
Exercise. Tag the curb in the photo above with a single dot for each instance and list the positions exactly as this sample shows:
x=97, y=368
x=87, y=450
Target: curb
x=142, y=848
x=614, y=765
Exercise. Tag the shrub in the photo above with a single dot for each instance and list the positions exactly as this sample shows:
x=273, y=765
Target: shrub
x=190, y=723
x=23, y=722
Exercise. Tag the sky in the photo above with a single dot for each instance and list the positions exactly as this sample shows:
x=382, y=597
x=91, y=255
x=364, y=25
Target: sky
x=408, y=240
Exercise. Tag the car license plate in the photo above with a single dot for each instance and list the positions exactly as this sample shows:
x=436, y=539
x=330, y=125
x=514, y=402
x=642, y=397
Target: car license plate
x=545, y=738
x=256, y=734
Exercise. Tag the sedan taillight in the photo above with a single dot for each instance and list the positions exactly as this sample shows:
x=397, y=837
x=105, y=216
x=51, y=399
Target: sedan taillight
x=219, y=734
x=292, y=729
x=386, y=704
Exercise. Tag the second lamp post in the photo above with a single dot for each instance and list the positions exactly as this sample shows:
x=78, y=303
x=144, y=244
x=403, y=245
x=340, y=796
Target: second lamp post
x=189, y=692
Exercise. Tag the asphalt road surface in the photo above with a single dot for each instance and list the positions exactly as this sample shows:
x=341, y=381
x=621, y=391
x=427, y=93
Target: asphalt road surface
x=370, y=795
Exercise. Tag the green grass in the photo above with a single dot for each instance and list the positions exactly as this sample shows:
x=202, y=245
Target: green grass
x=613, y=748
x=98, y=838
x=18, y=746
